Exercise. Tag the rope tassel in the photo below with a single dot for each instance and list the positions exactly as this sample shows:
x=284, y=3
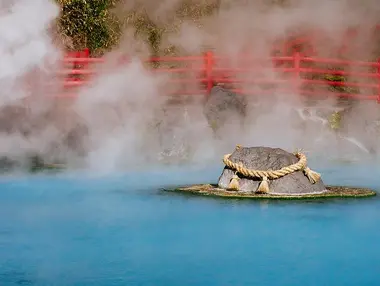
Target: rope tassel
x=312, y=176
x=234, y=183
x=264, y=186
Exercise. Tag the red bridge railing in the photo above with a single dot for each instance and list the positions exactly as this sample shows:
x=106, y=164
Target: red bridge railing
x=311, y=76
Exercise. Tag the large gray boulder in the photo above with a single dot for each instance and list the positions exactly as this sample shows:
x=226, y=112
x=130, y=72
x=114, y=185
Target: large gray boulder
x=265, y=158
x=223, y=106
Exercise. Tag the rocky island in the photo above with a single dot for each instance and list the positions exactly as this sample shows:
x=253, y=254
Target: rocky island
x=272, y=173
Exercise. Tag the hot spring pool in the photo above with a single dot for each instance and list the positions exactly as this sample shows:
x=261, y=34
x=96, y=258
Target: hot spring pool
x=122, y=230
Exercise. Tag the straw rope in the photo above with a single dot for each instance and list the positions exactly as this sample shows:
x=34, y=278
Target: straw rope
x=267, y=175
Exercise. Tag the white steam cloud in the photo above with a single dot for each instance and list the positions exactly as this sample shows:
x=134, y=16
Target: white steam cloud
x=25, y=45
x=125, y=118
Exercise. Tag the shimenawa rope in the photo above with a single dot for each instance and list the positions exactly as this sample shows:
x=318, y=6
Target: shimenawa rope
x=301, y=165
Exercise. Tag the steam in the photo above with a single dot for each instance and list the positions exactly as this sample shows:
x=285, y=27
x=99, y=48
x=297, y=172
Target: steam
x=130, y=121
x=24, y=43
x=27, y=54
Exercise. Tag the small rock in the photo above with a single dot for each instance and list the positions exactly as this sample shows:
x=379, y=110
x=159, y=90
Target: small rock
x=265, y=158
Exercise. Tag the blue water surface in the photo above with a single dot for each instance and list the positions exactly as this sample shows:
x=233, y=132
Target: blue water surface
x=123, y=230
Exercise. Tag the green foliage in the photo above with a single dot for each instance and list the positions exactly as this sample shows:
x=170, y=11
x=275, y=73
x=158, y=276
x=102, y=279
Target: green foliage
x=340, y=88
x=89, y=24
x=146, y=29
x=152, y=32
x=335, y=120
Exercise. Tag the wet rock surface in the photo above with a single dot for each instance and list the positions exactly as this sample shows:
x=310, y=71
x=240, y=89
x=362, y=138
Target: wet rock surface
x=265, y=158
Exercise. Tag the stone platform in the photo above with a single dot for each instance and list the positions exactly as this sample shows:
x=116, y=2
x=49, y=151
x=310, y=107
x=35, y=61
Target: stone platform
x=330, y=192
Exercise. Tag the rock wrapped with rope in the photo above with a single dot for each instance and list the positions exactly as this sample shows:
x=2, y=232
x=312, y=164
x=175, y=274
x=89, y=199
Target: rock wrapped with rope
x=269, y=170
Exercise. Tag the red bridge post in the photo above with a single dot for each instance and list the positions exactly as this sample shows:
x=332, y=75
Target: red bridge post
x=209, y=62
x=378, y=77
x=86, y=54
x=296, y=74
x=86, y=64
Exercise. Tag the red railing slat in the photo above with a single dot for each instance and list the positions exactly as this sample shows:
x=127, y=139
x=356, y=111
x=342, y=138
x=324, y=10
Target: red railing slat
x=203, y=72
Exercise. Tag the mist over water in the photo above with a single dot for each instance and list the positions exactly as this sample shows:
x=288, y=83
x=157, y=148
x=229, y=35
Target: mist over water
x=130, y=124
x=109, y=223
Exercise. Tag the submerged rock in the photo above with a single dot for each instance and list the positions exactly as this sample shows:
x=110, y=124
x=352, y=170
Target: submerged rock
x=265, y=158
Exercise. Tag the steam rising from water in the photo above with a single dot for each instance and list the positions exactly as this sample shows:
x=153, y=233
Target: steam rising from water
x=132, y=125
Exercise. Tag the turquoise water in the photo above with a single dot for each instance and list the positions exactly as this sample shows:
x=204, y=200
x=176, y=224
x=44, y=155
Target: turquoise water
x=122, y=230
